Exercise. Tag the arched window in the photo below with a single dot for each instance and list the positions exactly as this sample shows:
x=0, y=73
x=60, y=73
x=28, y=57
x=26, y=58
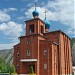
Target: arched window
x=28, y=52
x=45, y=66
x=31, y=30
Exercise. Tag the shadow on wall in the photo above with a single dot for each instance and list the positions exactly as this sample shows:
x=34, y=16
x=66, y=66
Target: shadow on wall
x=73, y=51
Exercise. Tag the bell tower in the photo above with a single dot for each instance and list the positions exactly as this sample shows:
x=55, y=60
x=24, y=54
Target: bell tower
x=35, y=25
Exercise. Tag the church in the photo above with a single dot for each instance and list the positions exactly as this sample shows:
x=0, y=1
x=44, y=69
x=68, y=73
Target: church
x=41, y=51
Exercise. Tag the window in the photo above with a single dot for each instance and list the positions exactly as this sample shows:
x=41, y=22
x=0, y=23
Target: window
x=45, y=52
x=41, y=29
x=31, y=30
x=17, y=66
x=28, y=41
x=18, y=54
x=45, y=66
x=28, y=52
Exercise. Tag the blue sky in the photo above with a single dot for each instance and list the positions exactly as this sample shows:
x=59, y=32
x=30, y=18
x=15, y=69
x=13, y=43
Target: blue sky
x=13, y=13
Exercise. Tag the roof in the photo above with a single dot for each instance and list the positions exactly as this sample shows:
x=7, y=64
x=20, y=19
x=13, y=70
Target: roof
x=58, y=31
x=51, y=42
x=35, y=13
x=47, y=33
x=32, y=35
x=17, y=44
x=34, y=19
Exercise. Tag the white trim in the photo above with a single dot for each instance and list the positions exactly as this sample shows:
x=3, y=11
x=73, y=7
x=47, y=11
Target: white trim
x=28, y=60
x=73, y=67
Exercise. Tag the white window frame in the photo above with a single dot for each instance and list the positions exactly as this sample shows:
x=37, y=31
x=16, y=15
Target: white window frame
x=28, y=52
x=45, y=66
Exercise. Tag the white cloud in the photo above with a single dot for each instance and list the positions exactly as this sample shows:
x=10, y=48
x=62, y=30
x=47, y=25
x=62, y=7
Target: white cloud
x=4, y=17
x=21, y=18
x=11, y=29
x=23, y=9
x=61, y=10
x=7, y=46
x=29, y=0
x=29, y=12
x=70, y=31
x=10, y=9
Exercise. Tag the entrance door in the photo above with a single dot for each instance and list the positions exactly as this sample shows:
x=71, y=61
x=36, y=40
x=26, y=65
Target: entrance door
x=32, y=68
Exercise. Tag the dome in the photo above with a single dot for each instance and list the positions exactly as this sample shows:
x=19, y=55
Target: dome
x=35, y=13
x=47, y=24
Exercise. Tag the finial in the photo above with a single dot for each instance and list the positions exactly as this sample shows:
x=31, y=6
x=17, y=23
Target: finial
x=45, y=13
x=35, y=13
x=35, y=5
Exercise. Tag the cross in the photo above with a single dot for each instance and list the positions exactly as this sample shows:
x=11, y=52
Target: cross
x=45, y=13
x=35, y=5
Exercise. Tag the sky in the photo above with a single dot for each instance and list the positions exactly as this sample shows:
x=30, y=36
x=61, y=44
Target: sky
x=14, y=13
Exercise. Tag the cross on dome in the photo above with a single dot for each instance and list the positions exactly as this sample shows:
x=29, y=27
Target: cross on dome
x=35, y=5
x=45, y=13
x=35, y=13
x=47, y=23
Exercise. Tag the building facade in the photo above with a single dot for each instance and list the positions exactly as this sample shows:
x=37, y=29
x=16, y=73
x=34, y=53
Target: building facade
x=48, y=53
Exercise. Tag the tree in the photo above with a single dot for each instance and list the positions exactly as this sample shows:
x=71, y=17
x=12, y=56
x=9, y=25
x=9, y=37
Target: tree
x=6, y=68
x=2, y=61
x=3, y=68
x=12, y=69
x=31, y=69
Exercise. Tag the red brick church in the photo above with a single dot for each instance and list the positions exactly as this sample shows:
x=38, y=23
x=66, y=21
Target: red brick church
x=47, y=53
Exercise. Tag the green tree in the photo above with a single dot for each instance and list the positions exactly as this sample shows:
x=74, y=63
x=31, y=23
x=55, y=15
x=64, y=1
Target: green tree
x=3, y=68
x=6, y=68
x=31, y=69
x=2, y=61
x=12, y=69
